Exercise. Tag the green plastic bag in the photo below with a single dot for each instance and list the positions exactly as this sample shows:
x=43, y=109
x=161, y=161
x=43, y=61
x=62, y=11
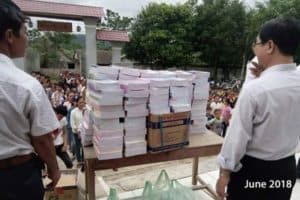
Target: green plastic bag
x=180, y=192
x=161, y=187
x=147, y=192
x=113, y=194
x=165, y=189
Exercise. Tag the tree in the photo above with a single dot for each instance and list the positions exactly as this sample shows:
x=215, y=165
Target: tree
x=52, y=45
x=114, y=21
x=269, y=10
x=160, y=36
x=219, y=27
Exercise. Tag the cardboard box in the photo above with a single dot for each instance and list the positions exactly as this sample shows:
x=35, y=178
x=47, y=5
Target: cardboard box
x=66, y=189
x=168, y=131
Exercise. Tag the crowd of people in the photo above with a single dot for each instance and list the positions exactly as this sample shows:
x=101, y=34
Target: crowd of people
x=220, y=104
x=67, y=97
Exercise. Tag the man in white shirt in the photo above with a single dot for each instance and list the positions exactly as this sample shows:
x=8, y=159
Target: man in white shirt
x=27, y=120
x=257, y=158
x=76, y=119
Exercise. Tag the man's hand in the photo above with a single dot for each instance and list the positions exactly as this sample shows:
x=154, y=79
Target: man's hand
x=257, y=69
x=54, y=175
x=222, y=184
x=44, y=147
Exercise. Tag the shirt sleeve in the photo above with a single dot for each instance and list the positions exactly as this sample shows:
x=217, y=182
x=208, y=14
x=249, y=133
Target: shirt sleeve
x=210, y=122
x=73, y=120
x=41, y=115
x=64, y=122
x=239, y=133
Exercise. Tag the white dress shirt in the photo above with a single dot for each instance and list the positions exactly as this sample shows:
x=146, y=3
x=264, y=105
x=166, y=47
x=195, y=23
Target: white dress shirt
x=25, y=110
x=265, y=123
x=59, y=140
x=76, y=118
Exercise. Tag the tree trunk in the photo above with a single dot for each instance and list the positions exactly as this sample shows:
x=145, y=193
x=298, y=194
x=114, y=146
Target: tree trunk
x=216, y=72
x=225, y=73
x=244, y=67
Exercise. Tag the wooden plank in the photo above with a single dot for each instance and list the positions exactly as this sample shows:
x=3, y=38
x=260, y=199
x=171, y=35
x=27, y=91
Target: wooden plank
x=90, y=179
x=200, y=145
x=195, y=170
x=159, y=157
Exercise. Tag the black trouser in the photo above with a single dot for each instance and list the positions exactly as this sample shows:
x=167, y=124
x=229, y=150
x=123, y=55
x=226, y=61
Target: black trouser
x=63, y=156
x=225, y=125
x=78, y=148
x=22, y=182
x=272, y=180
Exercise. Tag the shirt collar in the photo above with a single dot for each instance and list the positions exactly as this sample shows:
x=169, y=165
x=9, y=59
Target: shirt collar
x=5, y=58
x=280, y=67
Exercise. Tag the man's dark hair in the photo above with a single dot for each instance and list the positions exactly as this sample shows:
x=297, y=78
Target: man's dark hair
x=285, y=33
x=11, y=17
x=61, y=110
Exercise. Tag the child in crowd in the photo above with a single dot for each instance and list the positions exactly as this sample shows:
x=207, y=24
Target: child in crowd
x=216, y=124
x=61, y=139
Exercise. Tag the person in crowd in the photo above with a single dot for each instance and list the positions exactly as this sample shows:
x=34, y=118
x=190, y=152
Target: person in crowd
x=216, y=124
x=82, y=90
x=75, y=119
x=258, y=151
x=226, y=115
x=214, y=101
x=69, y=100
x=209, y=114
x=73, y=85
x=27, y=120
x=70, y=104
x=61, y=138
x=57, y=97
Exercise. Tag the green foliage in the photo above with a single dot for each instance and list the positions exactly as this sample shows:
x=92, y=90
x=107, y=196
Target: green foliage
x=103, y=45
x=217, y=33
x=114, y=21
x=161, y=36
x=52, y=45
x=220, y=33
x=270, y=10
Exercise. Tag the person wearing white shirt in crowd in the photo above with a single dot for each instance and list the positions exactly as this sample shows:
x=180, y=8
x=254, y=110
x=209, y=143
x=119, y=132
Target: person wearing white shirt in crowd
x=57, y=97
x=27, y=120
x=61, y=139
x=257, y=158
x=76, y=118
x=69, y=100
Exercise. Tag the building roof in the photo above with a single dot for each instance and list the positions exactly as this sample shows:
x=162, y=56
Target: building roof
x=59, y=10
x=112, y=36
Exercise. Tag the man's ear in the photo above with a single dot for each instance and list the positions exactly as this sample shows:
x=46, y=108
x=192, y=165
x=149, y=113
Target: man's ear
x=270, y=47
x=9, y=36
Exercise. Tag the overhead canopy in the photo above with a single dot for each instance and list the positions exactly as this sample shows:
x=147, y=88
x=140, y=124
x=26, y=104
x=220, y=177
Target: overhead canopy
x=112, y=36
x=59, y=10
